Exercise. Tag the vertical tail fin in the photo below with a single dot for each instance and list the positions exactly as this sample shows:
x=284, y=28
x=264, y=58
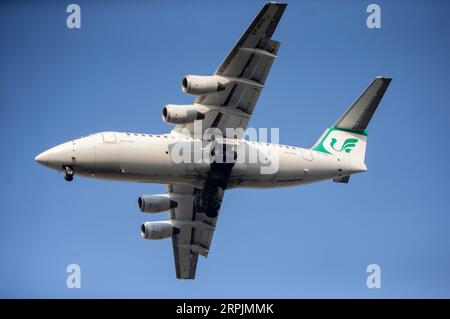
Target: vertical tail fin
x=348, y=136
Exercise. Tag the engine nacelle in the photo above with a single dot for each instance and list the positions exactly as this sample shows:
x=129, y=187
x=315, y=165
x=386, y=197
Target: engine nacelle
x=181, y=114
x=158, y=230
x=199, y=85
x=155, y=203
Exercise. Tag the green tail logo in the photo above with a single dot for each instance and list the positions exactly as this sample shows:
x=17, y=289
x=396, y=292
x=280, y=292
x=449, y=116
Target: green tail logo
x=348, y=145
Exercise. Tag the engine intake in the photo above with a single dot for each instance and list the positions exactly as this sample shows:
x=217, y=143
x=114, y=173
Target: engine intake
x=158, y=230
x=181, y=114
x=155, y=203
x=199, y=85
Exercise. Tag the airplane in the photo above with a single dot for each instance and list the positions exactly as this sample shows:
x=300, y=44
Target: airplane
x=224, y=101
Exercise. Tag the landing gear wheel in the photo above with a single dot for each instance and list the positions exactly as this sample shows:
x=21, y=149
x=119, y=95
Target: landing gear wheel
x=211, y=213
x=69, y=173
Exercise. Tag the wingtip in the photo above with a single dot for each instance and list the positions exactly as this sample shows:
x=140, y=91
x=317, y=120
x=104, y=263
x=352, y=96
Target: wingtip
x=387, y=78
x=276, y=3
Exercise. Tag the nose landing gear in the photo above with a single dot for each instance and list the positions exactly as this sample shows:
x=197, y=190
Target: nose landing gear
x=69, y=173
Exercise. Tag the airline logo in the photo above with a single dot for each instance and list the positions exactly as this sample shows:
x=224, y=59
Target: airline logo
x=347, y=146
x=345, y=143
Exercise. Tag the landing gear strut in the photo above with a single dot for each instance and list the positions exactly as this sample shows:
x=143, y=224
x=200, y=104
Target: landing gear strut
x=69, y=173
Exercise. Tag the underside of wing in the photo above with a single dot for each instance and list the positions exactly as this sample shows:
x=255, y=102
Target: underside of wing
x=242, y=75
x=225, y=100
x=195, y=217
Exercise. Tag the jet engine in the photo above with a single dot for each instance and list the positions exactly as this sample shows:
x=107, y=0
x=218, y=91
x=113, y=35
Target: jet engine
x=155, y=203
x=199, y=85
x=181, y=114
x=158, y=230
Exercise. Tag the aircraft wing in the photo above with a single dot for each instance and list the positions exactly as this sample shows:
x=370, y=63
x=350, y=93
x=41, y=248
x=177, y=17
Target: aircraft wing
x=244, y=71
x=246, y=68
x=196, y=229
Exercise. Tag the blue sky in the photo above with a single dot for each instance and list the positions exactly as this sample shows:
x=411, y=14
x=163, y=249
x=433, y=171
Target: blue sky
x=126, y=62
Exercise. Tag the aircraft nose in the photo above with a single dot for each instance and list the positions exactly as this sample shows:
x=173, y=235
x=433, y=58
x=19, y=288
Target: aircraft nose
x=43, y=158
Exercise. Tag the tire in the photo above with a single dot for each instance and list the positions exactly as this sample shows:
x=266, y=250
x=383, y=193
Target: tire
x=211, y=213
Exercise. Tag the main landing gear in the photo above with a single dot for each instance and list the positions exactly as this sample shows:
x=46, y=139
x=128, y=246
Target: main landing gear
x=69, y=173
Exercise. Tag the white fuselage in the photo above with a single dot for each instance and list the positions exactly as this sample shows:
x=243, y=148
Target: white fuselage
x=149, y=158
